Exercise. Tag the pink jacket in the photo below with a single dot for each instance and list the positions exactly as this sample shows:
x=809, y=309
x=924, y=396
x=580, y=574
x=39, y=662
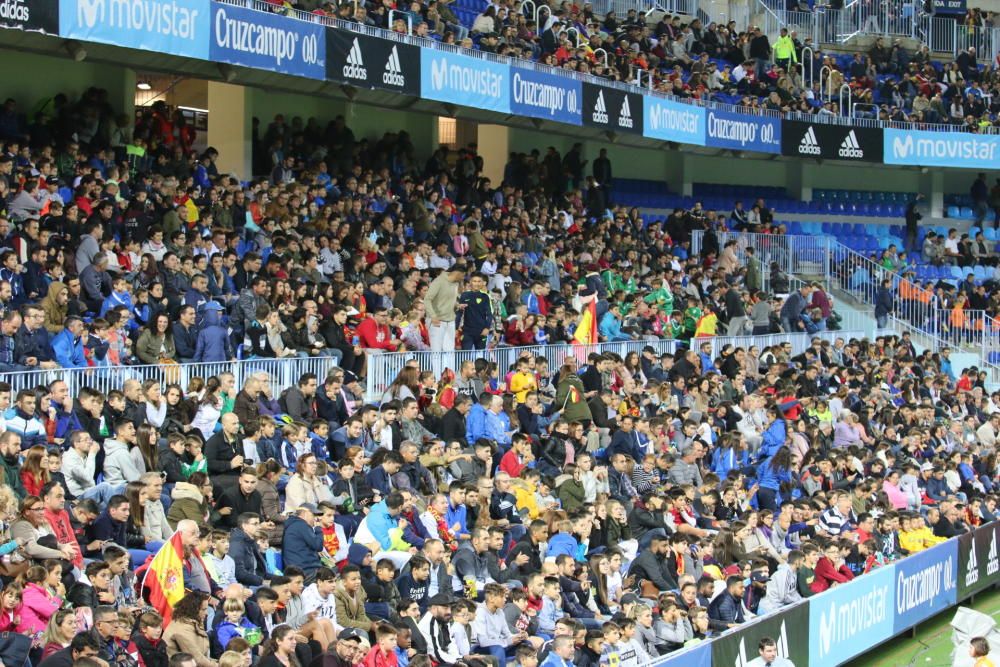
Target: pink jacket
x=896, y=496
x=37, y=606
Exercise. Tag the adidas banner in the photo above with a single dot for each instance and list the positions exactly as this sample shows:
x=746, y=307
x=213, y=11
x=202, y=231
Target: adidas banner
x=267, y=41
x=831, y=142
x=789, y=629
x=925, y=584
x=546, y=96
x=612, y=109
x=978, y=560
x=371, y=62
x=36, y=15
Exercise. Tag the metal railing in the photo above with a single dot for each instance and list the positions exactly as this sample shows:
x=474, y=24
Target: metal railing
x=383, y=368
x=798, y=254
x=281, y=373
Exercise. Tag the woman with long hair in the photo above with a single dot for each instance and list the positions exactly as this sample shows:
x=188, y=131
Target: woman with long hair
x=145, y=454
x=186, y=632
x=405, y=385
x=156, y=404
x=156, y=342
x=599, y=576
x=178, y=413
x=31, y=526
x=772, y=473
x=279, y=649
x=209, y=408
x=305, y=486
x=59, y=632
x=269, y=473
x=34, y=471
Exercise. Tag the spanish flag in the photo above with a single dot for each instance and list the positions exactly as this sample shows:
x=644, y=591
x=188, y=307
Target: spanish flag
x=586, y=331
x=165, y=577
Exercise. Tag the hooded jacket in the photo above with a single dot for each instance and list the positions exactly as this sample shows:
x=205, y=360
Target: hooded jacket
x=188, y=503
x=250, y=566
x=213, y=339
x=118, y=465
x=301, y=545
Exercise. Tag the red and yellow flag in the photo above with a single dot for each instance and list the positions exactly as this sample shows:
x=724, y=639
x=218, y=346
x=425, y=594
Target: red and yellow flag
x=586, y=331
x=165, y=577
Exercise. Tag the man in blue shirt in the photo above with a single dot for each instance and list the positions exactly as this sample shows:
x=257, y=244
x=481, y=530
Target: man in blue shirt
x=456, y=513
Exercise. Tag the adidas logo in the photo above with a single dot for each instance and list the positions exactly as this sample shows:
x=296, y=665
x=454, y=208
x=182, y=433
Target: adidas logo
x=600, y=111
x=849, y=147
x=625, y=115
x=992, y=563
x=972, y=569
x=393, y=75
x=355, y=67
x=781, y=646
x=809, y=145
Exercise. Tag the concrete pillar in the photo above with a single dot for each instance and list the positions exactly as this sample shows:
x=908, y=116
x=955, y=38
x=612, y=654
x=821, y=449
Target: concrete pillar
x=931, y=184
x=799, y=179
x=494, y=147
x=128, y=93
x=683, y=169
x=229, y=126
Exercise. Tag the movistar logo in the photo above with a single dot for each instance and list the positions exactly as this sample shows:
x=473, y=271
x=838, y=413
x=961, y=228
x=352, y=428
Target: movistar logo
x=393, y=75
x=150, y=16
x=355, y=67
x=600, y=110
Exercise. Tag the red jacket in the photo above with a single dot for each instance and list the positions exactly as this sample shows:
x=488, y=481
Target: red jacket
x=826, y=575
x=511, y=463
x=371, y=335
x=517, y=338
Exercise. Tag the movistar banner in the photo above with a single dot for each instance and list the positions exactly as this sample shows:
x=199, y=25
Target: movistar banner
x=673, y=121
x=459, y=79
x=171, y=27
x=925, y=584
x=942, y=149
x=724, y=129
x=267, y=41
x=848, y=620
x=546, y=96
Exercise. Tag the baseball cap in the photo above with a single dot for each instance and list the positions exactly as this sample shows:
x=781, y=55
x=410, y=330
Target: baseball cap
x=926, y=466
x=440, y=600
x=309, y=506
x=350, y=633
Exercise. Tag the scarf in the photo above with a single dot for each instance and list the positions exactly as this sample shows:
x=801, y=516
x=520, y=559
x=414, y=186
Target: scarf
x=331, y=544
x=442, y=527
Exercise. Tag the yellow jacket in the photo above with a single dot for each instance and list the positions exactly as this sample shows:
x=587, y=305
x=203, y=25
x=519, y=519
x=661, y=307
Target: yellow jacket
x=524, y=497
x=521, y=384
x=918, y=540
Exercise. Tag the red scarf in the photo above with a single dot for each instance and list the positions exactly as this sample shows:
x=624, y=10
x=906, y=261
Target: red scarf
x=443, y=532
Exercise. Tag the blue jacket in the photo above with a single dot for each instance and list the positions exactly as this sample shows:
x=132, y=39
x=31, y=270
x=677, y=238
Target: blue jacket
x=29, y=427
x=378, y=480
x=185, y=340
x=611, y=328
x=774, y=439
x=32, y=344
x=114, y=300
x=725, y=459
x=625, y=443
x=562, y=543
x=380, y=523
x=226, y=631
x=301, y=545
x=475, y=424
x=496, y=429
x=769, y=478
x=68, y=350
x=457, y=515
x=213, y=340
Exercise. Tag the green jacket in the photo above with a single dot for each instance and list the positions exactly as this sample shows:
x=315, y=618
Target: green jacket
x=784, y=49
x=572, y=403
x=13, y=478
x=663, y=299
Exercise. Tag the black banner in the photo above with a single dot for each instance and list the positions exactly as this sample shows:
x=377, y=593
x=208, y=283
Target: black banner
x=788, y=628
x=36, y=15
x=978, y=560
x=831, y=142
x=370, y=62
x=612, y=109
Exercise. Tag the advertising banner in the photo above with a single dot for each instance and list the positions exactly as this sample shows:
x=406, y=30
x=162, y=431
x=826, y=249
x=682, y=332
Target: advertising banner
x=925, y=584
x=848, y=620
x=942, y=149
x=978, y=560
x=471, y=82
x=170, y=27
x=612, y=109
x=831, y=142
x=673, y=121
x=699, y=655
x=267, y=41
x=34, y=16
x=949, y=6
x=370, y=62
x=724, y=129
x=546, y=96
x=788, y=628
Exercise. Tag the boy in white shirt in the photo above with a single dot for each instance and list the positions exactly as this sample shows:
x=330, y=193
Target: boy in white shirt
x=220, y=560
x=318, y=597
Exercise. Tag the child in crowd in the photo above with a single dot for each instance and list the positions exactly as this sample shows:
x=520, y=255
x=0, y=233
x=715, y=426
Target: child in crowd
x=383, y=653
x=147, y=642
x=220, y=560
x=236, y=624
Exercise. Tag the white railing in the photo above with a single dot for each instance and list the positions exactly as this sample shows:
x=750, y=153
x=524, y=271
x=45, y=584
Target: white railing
x=806, y=255
x=383, y=368
x=282, y=373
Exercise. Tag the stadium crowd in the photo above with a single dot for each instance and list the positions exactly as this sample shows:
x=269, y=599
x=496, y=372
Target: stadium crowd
x=610, y=510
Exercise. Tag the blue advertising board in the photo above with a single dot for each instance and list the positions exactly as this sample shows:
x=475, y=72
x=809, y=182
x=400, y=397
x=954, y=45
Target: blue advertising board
x=546, y=96
x=174, y=27
x=941, y=149
x=699, y=655
x=673, y=121
x=737, y=131
x=471, y=82
x=850, y=619
x=267, y=41
x=925, y=584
